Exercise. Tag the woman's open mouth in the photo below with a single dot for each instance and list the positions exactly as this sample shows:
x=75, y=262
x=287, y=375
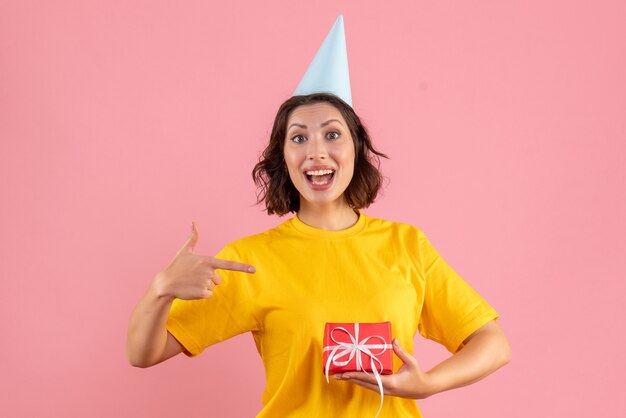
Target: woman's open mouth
x=320, y=177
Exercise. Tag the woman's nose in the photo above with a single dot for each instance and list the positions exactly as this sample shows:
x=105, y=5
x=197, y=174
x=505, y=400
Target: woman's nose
x=317, y=149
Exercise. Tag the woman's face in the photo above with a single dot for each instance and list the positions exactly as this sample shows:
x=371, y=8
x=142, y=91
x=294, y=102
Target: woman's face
x=319, y=153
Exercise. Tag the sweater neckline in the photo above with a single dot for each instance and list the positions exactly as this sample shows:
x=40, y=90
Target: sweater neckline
x=309, y=230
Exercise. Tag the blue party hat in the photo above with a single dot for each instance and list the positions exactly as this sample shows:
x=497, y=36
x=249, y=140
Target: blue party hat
x=328, y=72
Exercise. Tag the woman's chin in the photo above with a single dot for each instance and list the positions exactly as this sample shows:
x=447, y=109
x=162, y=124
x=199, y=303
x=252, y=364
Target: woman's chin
x=321, y=199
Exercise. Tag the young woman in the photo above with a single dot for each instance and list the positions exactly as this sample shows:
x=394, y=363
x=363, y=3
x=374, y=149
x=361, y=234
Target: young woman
x=329, y=263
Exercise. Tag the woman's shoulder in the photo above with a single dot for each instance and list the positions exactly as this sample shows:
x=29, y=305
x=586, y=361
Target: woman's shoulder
x=374, y=223
x=399, y=234
x=254, y=240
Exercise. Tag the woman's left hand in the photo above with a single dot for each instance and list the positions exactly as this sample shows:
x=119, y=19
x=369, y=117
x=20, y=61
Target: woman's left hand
x=409, y=382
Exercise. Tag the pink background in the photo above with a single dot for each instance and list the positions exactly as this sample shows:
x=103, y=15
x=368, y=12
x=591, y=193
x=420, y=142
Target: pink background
x=122, y=121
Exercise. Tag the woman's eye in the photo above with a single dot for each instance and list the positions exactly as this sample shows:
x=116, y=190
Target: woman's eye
x=298, y=139
x=333, y=135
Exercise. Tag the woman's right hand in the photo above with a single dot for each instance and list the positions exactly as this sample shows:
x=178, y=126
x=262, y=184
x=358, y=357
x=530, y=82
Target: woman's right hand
x=192, y=276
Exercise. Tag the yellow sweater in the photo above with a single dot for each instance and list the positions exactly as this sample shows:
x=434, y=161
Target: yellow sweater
x=374, y=271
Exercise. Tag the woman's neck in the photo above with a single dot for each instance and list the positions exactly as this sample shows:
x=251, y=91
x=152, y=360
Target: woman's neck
x=330, y=217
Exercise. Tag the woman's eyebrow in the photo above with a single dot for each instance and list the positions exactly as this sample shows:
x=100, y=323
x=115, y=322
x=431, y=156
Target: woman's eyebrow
x=299, y=125
x=329, y=121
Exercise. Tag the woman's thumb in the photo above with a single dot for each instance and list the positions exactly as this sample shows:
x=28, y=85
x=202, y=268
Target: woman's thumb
x=192, y=240
x=402, y=354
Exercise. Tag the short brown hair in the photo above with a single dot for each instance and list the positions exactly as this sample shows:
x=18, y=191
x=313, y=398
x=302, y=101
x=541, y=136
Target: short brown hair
x=270, y=174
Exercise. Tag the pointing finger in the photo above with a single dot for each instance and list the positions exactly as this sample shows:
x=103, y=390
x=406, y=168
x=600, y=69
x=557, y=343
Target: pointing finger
x=232, y=265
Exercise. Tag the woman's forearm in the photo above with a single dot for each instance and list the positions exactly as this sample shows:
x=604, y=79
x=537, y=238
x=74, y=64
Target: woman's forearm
x=484, y=352
x=147, y=333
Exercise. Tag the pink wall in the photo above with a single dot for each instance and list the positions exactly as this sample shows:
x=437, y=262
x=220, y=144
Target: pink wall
x=120, y=122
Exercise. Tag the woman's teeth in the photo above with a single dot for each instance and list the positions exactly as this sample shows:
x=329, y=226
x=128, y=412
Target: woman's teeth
x=320, y=180
x=318, y=172
x=320, y=177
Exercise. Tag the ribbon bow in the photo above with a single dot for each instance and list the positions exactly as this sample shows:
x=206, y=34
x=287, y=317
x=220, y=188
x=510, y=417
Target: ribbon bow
x=356, y=348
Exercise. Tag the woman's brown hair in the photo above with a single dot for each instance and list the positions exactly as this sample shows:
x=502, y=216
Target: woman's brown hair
x=272, y=178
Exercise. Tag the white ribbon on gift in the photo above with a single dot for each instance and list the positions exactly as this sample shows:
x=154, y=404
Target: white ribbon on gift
x=357, y=348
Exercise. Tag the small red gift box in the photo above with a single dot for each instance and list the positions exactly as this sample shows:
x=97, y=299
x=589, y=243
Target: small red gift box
x=358, y=346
